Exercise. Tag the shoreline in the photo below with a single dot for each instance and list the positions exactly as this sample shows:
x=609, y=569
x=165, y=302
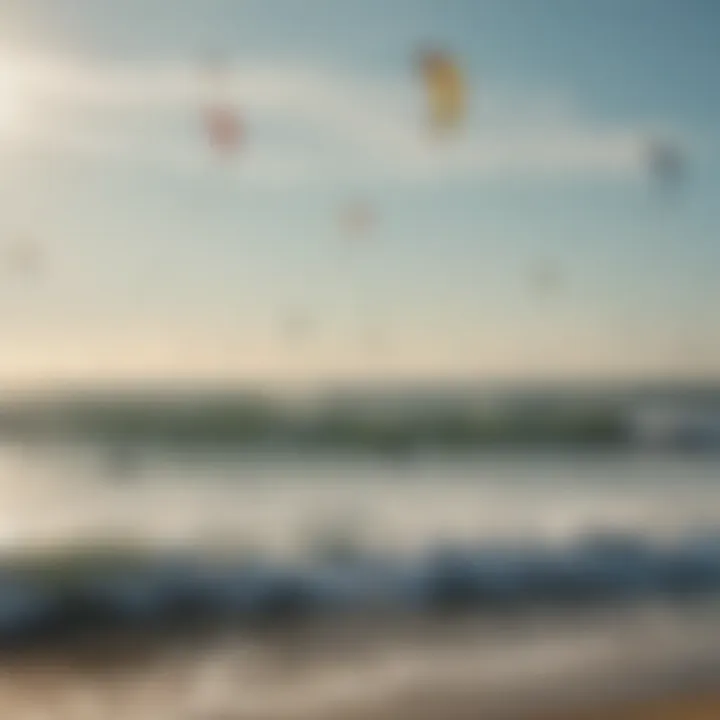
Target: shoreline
x=548, y=671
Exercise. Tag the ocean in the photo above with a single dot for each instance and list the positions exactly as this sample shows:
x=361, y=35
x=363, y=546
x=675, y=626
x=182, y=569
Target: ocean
x=271, y=497
x=522, y=571
x=275, y=502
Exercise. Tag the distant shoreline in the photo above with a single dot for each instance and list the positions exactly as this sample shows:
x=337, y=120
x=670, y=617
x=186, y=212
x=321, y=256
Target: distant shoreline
x=396, y=422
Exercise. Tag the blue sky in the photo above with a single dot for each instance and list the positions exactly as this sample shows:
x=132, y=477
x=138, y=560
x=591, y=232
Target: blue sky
x=163, y=262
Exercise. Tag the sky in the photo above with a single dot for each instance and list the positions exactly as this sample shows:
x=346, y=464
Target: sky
x=160, y=259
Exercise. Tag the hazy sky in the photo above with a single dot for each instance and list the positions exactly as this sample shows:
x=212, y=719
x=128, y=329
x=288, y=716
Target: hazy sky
x=161, y=261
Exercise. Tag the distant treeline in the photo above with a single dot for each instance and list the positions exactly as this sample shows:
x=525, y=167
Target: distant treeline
x=260, y=421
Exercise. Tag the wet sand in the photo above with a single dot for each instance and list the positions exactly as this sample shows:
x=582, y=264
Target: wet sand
x=686, y=706
x=699, y=705
x=58, y=691
x=616, y=666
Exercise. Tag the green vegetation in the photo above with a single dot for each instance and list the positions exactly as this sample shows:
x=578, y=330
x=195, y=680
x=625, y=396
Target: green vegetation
x=59, y=568
x=244, y=422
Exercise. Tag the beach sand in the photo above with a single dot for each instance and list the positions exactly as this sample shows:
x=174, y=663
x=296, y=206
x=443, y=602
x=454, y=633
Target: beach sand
x=599, y=670
x=704, y=705
x=60, y=692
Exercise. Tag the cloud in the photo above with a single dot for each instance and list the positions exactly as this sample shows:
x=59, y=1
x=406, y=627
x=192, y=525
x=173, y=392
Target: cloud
x=307, y=125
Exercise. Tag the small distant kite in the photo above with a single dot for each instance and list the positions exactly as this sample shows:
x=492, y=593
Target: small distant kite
x=224, y=129
x=295, y=328
x=24, y=257
x=357, y=219
x=666, y=163
x=446, y=90
x=546, y=279
x=216, y=67
x=221, y=120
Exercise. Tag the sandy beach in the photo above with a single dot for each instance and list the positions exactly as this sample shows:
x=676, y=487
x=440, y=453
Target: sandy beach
x=596, y=668
x=698, y=705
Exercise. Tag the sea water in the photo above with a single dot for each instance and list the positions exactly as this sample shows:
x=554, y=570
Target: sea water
x=283, y=505
x=276, y=502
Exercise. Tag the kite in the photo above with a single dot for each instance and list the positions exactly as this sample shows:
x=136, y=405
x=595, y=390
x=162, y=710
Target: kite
x=224, y=128
x=24, y=257
x=546, y=279
x=357, y=219
x=222, y=122
x=666, y=163
x=446, y=90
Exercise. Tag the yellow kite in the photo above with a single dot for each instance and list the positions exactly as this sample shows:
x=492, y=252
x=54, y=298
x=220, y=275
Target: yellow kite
x=446, y=90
